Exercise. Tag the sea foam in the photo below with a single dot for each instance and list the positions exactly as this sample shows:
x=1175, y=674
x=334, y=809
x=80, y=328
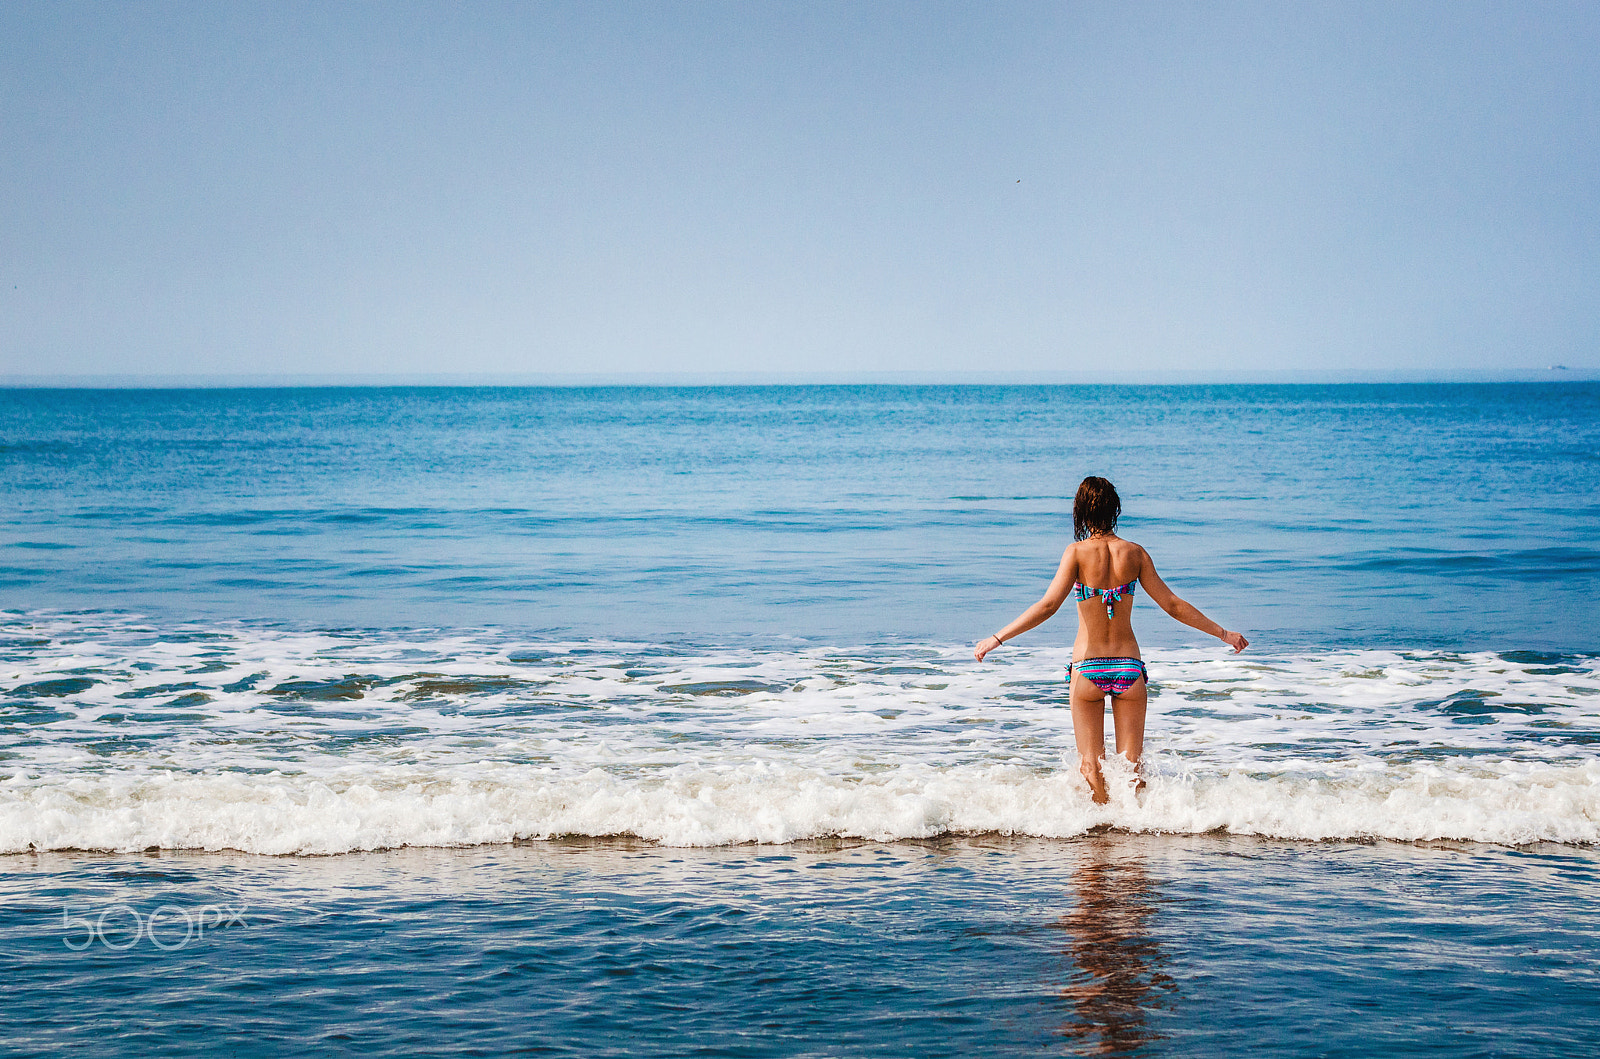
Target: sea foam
x=125, y=737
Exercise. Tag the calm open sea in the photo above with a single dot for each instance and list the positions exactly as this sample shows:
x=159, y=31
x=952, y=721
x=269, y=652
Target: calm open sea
x=644, y=721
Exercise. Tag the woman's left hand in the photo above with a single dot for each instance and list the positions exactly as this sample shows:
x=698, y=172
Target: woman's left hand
x=985, y=645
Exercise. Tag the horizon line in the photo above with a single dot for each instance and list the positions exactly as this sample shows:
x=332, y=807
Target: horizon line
x=349, y=380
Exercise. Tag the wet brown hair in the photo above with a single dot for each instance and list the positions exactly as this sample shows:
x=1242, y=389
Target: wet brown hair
x=1096, y=508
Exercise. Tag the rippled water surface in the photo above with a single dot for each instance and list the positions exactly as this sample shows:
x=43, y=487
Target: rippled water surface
x=620, y=721
x=1399, y=516
x=1111, y=945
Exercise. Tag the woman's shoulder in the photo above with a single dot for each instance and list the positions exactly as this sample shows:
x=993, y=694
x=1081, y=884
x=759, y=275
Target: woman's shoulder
x=1116, y=545
x=1118, y=549
x=1128, y=551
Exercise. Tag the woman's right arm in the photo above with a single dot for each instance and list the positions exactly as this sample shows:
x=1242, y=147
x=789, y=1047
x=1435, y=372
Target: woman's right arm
x=1183, y=610
x=1040, y=612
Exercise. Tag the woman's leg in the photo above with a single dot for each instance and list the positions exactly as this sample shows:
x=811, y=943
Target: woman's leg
x=1127, y=713
x=1089, y=729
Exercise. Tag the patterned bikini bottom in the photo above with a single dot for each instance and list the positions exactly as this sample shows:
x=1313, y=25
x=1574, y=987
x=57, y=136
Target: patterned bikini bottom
x=1113, y=676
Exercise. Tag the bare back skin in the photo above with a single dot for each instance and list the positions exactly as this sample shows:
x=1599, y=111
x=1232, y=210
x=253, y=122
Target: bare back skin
x=1106, y=561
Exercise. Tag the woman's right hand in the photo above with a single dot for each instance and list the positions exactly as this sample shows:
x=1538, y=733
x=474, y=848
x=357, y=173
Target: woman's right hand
x=1234, y=640
x=985, y=645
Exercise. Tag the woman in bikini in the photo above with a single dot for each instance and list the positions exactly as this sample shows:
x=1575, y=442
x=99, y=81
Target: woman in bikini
x=1105, y=656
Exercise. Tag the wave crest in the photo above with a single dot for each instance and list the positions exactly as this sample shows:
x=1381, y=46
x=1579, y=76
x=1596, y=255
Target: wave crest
x=282, y=814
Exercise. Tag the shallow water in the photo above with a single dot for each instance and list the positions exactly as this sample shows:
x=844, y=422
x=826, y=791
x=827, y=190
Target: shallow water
x=1109, y=945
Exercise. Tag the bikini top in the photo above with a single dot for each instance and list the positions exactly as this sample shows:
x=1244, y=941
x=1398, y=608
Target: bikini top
x=1082, y=593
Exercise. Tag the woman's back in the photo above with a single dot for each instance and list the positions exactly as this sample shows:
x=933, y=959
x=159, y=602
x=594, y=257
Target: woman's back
x=1108, y=562
x=1105, y=618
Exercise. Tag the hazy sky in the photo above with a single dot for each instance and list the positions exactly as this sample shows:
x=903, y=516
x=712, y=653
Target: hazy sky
x=706, y=187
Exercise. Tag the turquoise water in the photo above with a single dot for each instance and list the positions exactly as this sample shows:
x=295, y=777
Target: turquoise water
x=1461, y=517
x=644, y=721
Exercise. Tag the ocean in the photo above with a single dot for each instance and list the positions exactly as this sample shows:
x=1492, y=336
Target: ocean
x=622, y=721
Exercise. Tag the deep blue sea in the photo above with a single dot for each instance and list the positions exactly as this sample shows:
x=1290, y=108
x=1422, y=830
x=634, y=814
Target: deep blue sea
x=643, y=721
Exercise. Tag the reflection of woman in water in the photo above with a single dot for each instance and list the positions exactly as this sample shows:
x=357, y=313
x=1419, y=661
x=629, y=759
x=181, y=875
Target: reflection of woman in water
x=1119, y=977
x=1105, y=656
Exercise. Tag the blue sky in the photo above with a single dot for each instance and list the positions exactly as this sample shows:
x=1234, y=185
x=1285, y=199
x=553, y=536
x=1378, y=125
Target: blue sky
x=590, y=188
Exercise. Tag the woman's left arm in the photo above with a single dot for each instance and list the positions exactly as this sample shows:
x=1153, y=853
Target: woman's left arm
x=1040, y=612
x=1182, y=609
